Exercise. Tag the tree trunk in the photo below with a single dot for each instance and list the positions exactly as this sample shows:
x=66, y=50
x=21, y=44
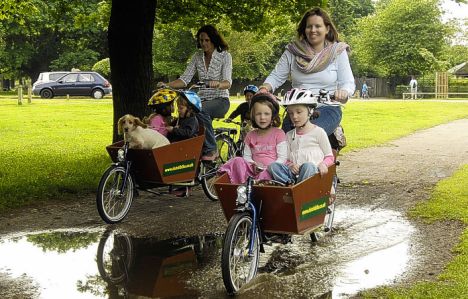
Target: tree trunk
x=130, y=38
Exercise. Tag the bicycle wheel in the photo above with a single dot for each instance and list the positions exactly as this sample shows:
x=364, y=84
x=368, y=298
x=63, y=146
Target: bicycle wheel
x=238, y=267
x=113, y=203
x=226, y=147
x=208, y=176
x=114, y=256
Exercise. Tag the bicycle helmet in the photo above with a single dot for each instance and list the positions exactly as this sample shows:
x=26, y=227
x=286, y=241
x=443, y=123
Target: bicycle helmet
x=162, y=96
x=299, y=96
x=268, y=97
x=193, y=99
x=251, y=88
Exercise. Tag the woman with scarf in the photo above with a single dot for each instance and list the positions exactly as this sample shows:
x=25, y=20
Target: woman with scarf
x=315, y=60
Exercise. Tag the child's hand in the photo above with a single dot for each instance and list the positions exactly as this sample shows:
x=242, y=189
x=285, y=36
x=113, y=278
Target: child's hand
x=169, y=128
x=323, y=169
x=258, y=167
x=294, y=169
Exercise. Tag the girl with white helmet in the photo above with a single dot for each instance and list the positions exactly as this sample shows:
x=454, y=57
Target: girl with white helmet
x=264, y=145
x=309, y=150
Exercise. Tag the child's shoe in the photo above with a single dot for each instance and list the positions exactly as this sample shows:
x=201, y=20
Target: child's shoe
x=182, y=191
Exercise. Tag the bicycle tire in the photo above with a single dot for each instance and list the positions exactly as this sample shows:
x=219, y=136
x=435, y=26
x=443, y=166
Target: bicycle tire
x=112, y=204
x=236, y=246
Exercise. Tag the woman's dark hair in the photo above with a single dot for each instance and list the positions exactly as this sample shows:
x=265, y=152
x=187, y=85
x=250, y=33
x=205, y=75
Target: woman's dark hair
x=332, y=35
x=216, y=38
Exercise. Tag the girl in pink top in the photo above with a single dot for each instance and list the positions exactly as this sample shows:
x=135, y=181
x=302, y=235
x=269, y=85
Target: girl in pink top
x=162, y=103
x=263, y=146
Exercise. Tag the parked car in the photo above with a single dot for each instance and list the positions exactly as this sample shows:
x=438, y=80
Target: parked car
x=75, y=84
x=49, y=76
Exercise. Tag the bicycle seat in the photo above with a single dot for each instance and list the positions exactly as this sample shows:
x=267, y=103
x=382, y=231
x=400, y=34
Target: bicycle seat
x=227, y=130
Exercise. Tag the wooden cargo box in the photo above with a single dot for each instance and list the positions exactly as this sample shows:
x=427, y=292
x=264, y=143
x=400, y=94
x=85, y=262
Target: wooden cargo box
x=295, y=209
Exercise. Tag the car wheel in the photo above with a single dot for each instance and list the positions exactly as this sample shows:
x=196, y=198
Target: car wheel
x=97, y=94
x=46, y=94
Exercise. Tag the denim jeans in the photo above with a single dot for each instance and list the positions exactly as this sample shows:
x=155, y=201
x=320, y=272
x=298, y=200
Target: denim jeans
x=281, y=173
x=329, y=119
x=211, y=109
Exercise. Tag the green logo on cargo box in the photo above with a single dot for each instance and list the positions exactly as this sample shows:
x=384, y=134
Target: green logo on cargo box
x=178, y=167
x=313, y=208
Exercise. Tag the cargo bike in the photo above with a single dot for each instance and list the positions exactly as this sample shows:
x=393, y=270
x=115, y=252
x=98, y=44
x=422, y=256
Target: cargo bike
x=263, y=212
x=177, y=164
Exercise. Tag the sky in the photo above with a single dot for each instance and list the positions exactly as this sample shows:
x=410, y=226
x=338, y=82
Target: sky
x=454, y=10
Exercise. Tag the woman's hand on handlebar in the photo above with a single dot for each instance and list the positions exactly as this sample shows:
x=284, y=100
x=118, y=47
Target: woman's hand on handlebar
x=213, y=84
x=161, y=85
x=264, y=88
x=341, y=96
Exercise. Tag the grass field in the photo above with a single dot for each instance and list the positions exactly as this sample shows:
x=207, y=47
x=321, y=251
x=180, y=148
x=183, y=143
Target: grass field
x=53, y=148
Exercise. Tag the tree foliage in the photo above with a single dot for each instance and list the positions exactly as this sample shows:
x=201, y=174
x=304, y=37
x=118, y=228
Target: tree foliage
x=51, y=35
x=404, y=37
x=345, y=13
x=172, y=47
x=63, y=241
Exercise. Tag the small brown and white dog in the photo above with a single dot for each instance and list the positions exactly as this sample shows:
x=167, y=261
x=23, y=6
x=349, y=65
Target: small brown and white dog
x=138, y=135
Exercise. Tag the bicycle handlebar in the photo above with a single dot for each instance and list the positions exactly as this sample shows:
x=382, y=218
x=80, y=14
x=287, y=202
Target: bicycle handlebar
x=230, y=121
x=327, y=99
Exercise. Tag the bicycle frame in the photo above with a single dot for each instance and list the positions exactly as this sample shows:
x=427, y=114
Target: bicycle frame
x=249, y=207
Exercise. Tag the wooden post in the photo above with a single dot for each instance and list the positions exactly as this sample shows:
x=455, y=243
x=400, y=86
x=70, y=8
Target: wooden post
x=20, y=95
x=29, y=94
x=441, y=91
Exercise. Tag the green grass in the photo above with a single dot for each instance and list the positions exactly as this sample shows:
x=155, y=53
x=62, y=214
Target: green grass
x=373, y=123
x=52, y=148
x=449, y=201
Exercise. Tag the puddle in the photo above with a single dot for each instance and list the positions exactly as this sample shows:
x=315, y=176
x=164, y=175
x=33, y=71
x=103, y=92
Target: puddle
x=380, y=249
x=85, y=264
x=370, y=247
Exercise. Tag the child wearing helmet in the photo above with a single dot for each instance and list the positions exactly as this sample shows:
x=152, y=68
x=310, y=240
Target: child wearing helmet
x=162, y=103
x=264, y=145
x=186, y=125
x=309, y=150
x=243, y=109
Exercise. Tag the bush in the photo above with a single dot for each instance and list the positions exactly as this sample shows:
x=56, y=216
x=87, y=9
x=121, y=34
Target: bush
x=102, y=67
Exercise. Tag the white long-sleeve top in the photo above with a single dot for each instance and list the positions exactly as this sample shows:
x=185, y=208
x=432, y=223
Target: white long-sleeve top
x=312, y=146
x=337, y=75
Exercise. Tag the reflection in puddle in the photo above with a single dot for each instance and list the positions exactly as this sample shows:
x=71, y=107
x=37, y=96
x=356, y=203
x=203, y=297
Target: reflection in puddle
x=104, y=265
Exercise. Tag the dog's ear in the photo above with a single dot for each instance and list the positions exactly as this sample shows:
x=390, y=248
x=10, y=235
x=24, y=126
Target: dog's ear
x=138, y=122
x=120, y=124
